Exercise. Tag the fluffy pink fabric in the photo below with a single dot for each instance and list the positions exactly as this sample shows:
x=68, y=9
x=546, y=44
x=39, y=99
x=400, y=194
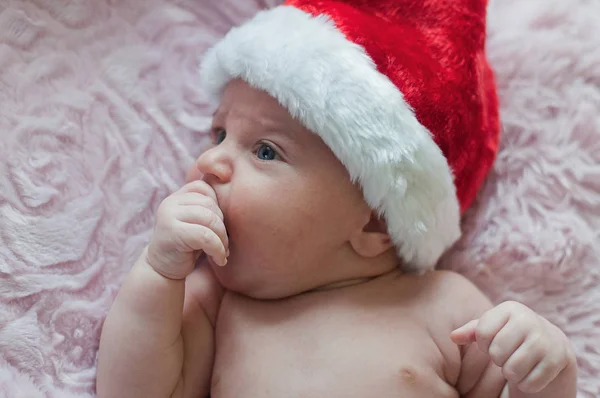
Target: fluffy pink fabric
x=101, y=112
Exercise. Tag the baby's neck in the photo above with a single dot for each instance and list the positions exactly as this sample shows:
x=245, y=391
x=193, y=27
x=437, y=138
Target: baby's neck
x=353, y=282
x=342, y=284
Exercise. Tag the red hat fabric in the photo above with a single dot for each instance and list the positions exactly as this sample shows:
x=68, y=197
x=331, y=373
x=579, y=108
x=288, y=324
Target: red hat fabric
x=401, y=91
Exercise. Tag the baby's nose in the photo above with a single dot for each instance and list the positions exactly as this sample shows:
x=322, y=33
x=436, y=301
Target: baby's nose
x=215, y=164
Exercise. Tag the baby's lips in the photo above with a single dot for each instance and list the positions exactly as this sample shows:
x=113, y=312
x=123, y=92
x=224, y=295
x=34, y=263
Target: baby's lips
x=201, y=258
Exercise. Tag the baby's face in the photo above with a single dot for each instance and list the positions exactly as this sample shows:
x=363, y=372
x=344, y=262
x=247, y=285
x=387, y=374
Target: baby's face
x=289, y=205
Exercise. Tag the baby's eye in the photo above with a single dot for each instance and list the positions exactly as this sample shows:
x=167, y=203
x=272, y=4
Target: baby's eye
x=220, y=136
x=265, y=152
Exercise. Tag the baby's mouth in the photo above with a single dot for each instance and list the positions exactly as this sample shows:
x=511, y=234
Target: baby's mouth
x=202, y=260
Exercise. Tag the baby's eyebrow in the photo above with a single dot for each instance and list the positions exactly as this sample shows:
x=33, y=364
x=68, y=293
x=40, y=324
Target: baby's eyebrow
x=261, y=125
x=288, y=138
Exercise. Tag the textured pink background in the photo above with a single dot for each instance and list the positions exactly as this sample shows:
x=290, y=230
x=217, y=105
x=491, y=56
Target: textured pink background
x=101, y=112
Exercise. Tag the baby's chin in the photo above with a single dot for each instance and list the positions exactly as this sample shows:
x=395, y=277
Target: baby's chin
x=255, y=284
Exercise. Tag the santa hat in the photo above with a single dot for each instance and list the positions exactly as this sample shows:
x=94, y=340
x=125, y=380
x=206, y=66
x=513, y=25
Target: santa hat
x=401, y=92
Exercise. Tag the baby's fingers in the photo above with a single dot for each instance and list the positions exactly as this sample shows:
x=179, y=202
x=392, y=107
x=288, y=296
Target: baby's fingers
x=490, y=323
x=199, y=237
x=465, y=334
x=507, y=341
x=523, y=360
x=205, y=217
x=199, y=186
x=196, y=199
x=542, y=374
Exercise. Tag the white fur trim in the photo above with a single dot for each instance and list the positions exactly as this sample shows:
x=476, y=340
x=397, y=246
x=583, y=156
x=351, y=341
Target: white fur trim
x=333, y=87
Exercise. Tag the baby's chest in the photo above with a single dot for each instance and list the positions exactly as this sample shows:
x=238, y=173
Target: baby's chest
x=265, y=352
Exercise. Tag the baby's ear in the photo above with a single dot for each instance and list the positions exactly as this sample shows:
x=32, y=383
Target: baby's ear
x=373, y=239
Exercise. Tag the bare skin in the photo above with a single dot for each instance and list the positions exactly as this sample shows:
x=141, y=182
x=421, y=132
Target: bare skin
x=388, y=337
x=311, y=301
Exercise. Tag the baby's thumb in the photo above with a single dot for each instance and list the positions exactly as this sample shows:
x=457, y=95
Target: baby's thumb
x=465, y=334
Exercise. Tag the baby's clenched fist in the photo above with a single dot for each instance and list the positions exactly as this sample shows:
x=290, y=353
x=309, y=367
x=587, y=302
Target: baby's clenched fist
x=531, y=351
x=189, y=222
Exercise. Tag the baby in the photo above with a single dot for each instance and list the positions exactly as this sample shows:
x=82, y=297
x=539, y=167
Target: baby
x=297, y=259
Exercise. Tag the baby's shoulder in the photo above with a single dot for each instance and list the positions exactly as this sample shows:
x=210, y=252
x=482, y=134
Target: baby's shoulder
x=448, y=301
x=453, y=285
x=449, y=295
x=425, y=309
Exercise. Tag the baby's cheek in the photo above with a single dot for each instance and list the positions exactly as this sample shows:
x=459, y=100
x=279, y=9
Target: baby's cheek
x=266, y=230
x=250, y=219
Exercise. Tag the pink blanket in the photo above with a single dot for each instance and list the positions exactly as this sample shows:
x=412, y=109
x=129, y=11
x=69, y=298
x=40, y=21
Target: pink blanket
x=101, y=112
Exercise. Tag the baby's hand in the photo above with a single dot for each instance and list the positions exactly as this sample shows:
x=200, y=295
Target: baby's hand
x=530, y=350
x=188, y=223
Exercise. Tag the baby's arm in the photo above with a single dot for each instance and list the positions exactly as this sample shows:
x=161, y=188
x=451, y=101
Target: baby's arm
x=533, y=355
x=203, y=296
x=159, y=330
x=141, y=347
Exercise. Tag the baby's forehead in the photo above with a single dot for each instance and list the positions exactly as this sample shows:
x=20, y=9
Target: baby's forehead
x=240, y=100
x=257, y=116
x=248, y=124
x=246, y=110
